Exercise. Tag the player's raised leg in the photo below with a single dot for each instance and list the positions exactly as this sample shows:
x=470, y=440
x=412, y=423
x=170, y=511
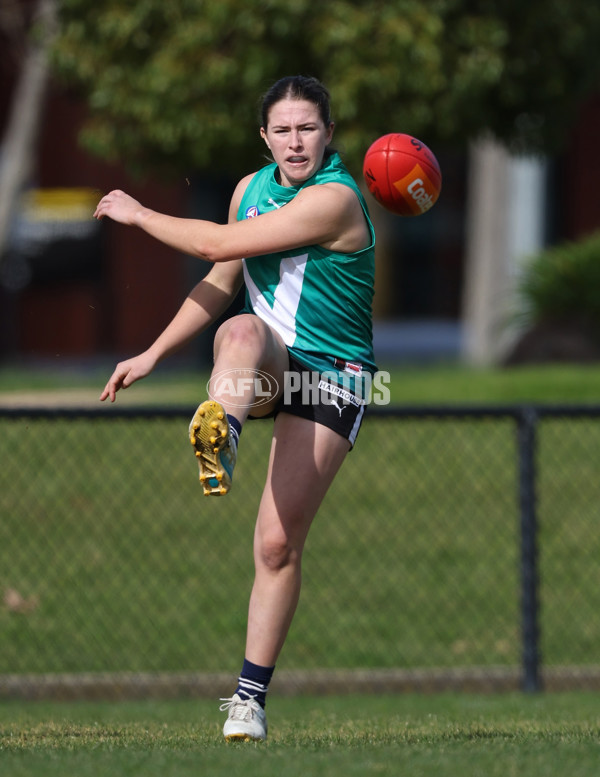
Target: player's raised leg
x=250, y=361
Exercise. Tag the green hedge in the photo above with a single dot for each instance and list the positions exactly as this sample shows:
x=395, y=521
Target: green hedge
x=562, y=284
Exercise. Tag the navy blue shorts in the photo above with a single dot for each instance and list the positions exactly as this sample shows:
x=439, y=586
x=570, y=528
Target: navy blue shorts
x=321, y=399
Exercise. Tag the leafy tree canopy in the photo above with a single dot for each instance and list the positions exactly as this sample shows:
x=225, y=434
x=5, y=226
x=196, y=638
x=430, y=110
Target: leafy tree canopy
x=177, y=83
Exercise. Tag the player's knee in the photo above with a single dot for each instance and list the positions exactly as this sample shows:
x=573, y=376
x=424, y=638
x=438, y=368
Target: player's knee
x=275, y=553
x=242, y=332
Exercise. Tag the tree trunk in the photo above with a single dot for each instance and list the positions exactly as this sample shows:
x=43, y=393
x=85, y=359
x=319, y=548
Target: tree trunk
x=20, y=137
x=505, y=224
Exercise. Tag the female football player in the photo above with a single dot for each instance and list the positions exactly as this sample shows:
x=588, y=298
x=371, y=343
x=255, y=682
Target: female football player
x=300, y=238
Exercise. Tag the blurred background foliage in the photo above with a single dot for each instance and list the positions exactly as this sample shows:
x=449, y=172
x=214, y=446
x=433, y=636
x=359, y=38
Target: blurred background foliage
x=177, y=85
x=560, y=287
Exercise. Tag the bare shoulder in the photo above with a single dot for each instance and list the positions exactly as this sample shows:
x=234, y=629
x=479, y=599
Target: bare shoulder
x=329, y=192
x=238, y=193
x=335, y=199
x=243, y=185
x=338, y=208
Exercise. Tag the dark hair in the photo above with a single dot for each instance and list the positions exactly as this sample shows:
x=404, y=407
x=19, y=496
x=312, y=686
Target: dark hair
x=297, y=88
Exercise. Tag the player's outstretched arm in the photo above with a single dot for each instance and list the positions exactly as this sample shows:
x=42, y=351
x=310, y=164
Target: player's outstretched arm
x=203, y=305
x=329, y=215
x=211, y=297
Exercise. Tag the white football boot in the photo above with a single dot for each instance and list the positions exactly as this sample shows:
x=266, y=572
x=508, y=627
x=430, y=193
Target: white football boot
x=246, y=721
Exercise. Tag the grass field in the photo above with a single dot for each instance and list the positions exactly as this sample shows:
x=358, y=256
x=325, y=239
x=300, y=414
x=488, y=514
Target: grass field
x=554, y=735
x=113, y=552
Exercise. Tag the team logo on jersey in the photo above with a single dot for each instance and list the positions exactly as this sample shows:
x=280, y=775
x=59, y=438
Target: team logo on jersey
x=252, y=212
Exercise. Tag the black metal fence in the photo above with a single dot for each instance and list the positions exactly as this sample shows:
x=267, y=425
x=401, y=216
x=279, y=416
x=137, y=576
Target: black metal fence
x=457, y=548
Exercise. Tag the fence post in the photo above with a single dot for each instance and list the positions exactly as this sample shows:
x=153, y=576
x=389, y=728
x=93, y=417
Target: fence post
x=527, y=427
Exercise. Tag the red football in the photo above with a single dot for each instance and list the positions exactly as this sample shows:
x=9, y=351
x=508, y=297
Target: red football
x=402, y=174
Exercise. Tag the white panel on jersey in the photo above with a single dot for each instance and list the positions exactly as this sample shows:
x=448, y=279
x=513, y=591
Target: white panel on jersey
x=282, y=316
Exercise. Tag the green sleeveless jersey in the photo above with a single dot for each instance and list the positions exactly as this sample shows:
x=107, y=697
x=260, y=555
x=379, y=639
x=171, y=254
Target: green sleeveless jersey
x=319, y=301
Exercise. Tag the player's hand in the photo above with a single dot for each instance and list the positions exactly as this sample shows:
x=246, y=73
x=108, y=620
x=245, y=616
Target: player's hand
x=119, y=207
x=126, y=373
